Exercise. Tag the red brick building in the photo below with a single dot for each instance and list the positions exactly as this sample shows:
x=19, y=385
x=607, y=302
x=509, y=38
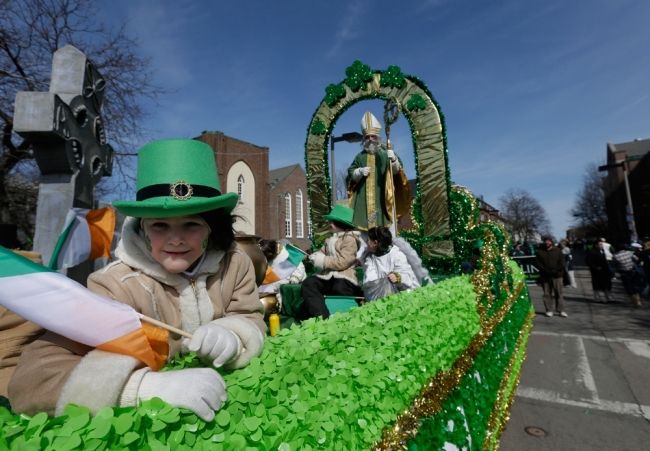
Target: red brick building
x=290, y=205
x=631, y=159
x=273, y=204
x=488, y=212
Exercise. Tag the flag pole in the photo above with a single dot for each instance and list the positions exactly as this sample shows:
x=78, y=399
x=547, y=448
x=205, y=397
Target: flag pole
x=155, y=322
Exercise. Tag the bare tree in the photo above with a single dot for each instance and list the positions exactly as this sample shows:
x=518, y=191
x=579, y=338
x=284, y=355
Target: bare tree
x=523, y=214
x=30, y=32
x=341, y=183
x=589, y=209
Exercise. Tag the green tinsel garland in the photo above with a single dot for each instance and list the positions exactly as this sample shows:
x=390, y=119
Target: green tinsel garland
x=463, y=420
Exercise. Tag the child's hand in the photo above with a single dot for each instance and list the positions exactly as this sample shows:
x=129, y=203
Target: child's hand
x=394, y=277
x=202, y=390
x=215, y=343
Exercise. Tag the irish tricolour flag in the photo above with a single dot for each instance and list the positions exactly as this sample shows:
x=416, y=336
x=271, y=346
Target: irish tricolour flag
x=86, y=235
x=63, y=306
x=283, y=265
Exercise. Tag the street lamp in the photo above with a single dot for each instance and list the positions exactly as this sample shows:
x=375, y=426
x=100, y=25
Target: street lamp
x=351, y=137
x=630, y=211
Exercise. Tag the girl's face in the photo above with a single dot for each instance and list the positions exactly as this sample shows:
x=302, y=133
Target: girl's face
x=373, y=245
x=176, y=243
x=334, y=227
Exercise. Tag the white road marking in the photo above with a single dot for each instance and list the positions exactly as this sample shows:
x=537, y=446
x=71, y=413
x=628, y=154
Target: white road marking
x=639, y=348
x=623, y=408
x=625, y=341
x=585, y=371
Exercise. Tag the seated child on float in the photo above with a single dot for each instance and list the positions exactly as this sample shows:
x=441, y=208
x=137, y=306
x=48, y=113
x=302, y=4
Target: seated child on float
x=385, y=267
x=335, y=263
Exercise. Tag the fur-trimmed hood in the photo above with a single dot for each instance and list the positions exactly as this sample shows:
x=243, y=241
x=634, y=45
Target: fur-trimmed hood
x=132, y=250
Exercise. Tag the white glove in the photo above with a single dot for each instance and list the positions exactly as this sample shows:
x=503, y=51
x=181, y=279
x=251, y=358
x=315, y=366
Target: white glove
x=358, y=173
x=391, y=154
x=215, y=344
x=318, y=258
x=202, y=390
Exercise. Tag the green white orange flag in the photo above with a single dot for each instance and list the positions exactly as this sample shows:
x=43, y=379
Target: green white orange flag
x=61, y=305
x=283, y=265
x=86, y=235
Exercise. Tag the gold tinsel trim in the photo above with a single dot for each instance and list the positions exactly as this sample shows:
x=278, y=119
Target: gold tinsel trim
x=433, y=394
x=481, y=277
x=501, y=412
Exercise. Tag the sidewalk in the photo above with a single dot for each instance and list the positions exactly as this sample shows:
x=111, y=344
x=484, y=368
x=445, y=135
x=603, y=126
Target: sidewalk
x=585, y=384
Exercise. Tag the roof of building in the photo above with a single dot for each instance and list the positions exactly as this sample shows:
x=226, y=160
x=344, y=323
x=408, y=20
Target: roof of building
x=217, y=132
x=638, y=147
x=279, y=174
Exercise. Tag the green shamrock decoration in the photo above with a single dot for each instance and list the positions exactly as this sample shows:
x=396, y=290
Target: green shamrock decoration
x=318, y=127
x=358, y=76
x=334, y=93
x=393, y=77
x=416, y=103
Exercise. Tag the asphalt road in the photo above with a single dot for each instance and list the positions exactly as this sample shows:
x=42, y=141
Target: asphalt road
x=585, y=384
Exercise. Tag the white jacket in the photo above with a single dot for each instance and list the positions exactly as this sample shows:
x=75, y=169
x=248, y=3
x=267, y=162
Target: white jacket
x=392, y=261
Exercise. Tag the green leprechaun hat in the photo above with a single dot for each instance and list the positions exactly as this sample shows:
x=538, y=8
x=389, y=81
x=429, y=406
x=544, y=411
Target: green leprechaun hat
x=341, y=214
x=176, y=177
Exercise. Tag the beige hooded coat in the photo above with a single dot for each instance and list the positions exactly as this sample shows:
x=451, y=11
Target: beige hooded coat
x=54, y=371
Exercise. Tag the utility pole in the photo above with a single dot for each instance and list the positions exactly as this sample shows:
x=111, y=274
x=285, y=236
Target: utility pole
x=629, y=210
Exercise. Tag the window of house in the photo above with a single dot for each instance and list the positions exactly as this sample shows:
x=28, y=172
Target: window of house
x=299, y=219
x=287, y=215
x=240, y=187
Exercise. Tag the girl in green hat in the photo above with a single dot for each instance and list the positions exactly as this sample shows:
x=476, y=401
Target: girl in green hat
x=336, y=261
x=178, y=263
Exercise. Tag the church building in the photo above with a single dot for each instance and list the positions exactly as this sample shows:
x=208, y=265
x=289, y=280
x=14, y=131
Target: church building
x=272, y=204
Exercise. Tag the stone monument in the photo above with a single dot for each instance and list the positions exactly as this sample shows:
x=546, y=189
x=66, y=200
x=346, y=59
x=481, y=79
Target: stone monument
x=66, y=131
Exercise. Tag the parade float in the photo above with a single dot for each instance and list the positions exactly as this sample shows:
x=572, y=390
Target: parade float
x=434, y=368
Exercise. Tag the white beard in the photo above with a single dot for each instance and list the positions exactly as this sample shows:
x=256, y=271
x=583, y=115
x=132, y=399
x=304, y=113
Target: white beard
x=371, y=147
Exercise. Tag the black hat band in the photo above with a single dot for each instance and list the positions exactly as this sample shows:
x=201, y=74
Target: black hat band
x=179, y=190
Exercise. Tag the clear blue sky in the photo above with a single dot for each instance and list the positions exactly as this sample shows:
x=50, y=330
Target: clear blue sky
x=531, y=91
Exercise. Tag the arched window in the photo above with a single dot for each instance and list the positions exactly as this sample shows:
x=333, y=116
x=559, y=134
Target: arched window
x=241, y=180
x=310, y=232
x=287, y=215
x=240, y=186
x=299, y=219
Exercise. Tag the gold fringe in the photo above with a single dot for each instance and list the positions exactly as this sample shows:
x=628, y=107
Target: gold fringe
x=432, y=396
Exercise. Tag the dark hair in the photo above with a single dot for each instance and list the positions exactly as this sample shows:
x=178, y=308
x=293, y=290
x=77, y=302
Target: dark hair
x=620, y=247
x=222, y=234
x=269, y=249
x=342, y=226
x=383, y=236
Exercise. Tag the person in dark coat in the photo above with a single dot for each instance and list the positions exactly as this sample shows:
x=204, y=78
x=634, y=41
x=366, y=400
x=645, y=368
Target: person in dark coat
x=645, y=260
x=601, y=276
x=550, y=262
x=627, y=266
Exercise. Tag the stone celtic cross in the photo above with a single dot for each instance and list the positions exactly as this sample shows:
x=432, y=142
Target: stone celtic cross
x=65, y=129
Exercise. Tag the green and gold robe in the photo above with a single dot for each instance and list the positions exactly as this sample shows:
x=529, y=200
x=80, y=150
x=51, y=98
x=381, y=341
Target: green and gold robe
x=368, y=196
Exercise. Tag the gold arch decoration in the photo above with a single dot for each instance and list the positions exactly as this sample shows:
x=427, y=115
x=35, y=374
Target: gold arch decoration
x=430, y=208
